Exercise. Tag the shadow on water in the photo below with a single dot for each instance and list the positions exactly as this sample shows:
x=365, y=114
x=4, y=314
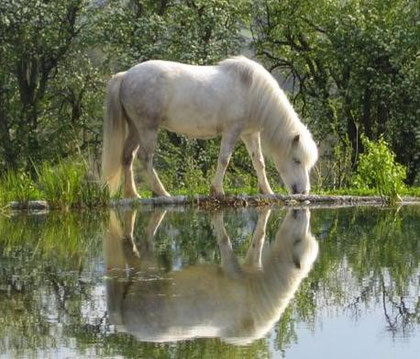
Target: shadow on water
x=190, y=284
x=238, y=303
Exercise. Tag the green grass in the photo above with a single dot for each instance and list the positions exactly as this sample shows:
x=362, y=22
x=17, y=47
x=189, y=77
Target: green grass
x=70, y=183
x=17, y=186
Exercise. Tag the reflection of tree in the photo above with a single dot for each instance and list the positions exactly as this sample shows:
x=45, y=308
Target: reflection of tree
x=50, y=278
x=368, y=256
x=43, y=261
x=398, y=315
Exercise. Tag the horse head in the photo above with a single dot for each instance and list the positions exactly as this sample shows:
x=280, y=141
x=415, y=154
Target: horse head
x=294, y=167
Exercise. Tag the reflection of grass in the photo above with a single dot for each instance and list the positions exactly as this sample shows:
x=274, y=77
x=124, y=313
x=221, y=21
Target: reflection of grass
x=41, y=261
x=56, y=235
x=376, y=243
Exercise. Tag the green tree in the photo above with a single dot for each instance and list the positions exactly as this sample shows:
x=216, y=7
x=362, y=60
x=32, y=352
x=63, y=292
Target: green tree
x=192, y=31
x=353, y=66
x=37, y=40
x=55, y=59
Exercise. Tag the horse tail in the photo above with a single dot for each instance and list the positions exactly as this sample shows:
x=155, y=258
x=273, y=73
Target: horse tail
x=114, y=135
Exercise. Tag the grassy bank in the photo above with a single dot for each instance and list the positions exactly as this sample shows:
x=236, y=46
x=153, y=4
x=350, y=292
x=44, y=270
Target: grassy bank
x=72, y=183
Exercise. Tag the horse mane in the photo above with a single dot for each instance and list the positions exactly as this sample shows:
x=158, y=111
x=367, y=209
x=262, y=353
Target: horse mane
x=269, y=103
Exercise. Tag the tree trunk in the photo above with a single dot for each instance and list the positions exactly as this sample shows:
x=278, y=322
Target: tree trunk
x=5, y=140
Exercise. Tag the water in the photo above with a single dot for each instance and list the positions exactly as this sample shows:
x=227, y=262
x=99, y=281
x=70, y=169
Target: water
x=324, y=283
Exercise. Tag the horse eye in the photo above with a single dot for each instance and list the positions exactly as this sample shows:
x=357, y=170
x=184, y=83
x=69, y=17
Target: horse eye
x=296, y=161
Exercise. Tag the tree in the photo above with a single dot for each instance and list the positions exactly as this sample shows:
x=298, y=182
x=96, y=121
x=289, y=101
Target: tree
x=191, y=31
x=45, y=79
x=353, y=65
x=55, y=59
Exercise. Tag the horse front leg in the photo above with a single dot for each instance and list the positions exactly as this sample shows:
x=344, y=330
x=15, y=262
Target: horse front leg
x=226, y=148
x=254, y=254
x=253, y=145
x=148, y=140
x=230, y=263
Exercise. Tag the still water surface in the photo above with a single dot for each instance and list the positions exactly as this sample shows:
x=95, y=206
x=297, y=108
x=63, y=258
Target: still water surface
x=319, y=283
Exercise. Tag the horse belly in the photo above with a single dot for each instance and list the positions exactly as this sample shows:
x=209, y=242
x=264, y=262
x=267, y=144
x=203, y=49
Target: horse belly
x=192, y=124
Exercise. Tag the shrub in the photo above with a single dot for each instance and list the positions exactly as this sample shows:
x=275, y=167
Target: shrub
x=378, y=170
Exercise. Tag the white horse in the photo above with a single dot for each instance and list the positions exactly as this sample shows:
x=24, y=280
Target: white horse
x=236, y=99
x=236, y=302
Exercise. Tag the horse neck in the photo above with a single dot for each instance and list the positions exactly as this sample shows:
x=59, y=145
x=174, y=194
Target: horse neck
x=281, y=123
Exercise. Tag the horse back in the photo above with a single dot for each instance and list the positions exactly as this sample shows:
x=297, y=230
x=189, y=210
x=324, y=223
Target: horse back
x=198, y=101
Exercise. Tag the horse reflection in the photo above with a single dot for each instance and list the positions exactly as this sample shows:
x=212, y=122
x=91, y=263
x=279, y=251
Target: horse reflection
x=238, y=303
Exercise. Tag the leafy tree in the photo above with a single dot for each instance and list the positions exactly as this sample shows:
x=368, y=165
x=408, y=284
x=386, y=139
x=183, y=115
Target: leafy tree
x=56, y=57
x=352, y=66
x=38, y=41
x=192, y=31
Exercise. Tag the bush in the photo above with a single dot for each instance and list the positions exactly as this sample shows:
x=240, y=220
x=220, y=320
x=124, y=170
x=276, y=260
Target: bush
x=378, y=170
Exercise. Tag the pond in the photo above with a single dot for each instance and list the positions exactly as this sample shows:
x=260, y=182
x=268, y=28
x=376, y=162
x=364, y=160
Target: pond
x=188, y=283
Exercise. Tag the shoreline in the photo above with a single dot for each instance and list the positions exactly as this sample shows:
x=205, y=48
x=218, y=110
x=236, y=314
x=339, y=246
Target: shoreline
x=235, y=201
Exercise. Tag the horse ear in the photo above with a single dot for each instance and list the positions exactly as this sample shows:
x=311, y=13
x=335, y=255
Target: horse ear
x=295, y=140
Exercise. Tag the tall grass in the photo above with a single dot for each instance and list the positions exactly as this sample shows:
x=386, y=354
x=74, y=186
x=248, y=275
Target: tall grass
x=70, y=183
x=74, y=183
x=17, y=186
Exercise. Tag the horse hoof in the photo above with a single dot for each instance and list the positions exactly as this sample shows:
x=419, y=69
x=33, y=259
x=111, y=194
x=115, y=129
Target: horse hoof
x=132, y=195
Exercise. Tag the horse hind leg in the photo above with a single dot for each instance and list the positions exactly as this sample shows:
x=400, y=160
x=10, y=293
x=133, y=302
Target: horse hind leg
x=226, y=148
x=148, y=140
x=130, y=149
x=230, y=264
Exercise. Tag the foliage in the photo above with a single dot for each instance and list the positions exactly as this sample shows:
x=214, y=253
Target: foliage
x=378, y=170
x=352, y=67
x=49, y=89
x=349, y=66
x=197, y=32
